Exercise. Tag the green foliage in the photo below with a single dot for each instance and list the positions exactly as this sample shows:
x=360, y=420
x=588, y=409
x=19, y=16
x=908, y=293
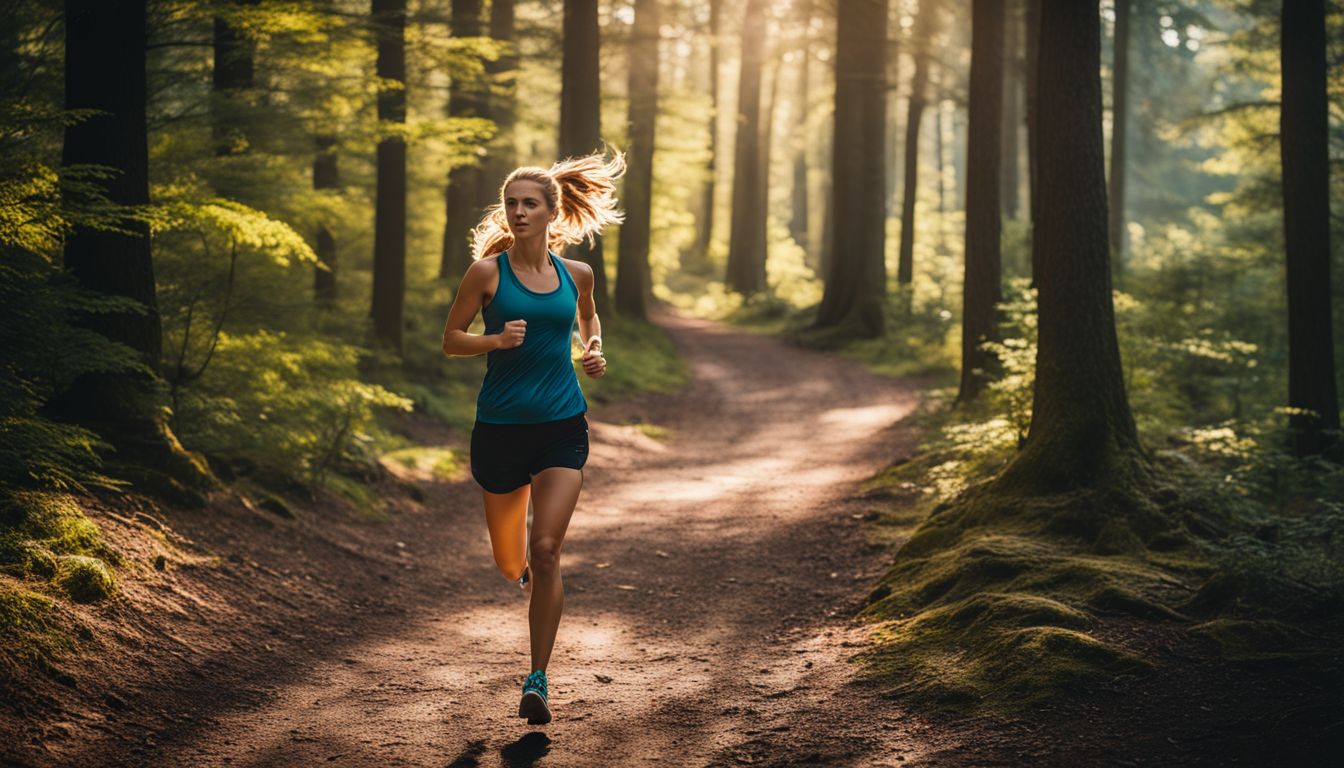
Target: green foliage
x=292, y=405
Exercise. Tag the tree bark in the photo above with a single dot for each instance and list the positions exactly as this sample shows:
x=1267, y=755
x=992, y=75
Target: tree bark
x=1082, y=432
x=706, y=230
x=1304, y=148
x=856, y=289
x=632, y=261
x=233, y=72
x=466, y=98
x=389, y=227
x=581, y=117
x=325, y=176
x=981, y=287
x=1012, y=115
x=502, y=103
x=1032, y=19
x=746, y=249
x=924, y=28
x=798, y=209
x=1119, y=134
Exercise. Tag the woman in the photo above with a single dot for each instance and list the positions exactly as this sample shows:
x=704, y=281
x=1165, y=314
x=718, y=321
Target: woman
x=530, y=440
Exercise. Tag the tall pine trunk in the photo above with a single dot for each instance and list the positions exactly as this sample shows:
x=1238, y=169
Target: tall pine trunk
x=581, y=117
x=502, y=103
x=1012, y=115
x=981, y=288
x=1082, y=432
x=856, y=289
x=798, y=208
x=466, y=98
x=1119, y=134
x=325, y=176
x=105, y=72
x=632, y=261
x=919, y=84
x=1032, y=19
x=389, y=226
x=706, y=226
x=1304, y=146
x=746, y=252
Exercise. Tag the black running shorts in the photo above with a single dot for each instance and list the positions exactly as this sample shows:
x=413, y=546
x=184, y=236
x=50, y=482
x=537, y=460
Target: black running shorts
x=504, y=457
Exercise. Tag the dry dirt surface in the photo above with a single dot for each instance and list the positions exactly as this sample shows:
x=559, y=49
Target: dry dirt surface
x=709, y=573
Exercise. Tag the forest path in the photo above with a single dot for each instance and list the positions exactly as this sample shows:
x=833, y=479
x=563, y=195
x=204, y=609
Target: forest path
x=708, y=578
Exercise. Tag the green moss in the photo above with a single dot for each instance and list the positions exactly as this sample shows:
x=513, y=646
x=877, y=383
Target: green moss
x=29, y=629
x=43, y=526
x=85, y=579
x=1257, y=639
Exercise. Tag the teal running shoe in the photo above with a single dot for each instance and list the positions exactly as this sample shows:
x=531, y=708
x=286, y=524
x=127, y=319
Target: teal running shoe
x=533, y=705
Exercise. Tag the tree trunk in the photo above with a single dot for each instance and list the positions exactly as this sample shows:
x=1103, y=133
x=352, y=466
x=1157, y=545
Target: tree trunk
x=325, y=176
x=581, y=117
x=1082, y=432
x=1012, y=115
x=856, y=288
x=1119, y=132
x=746, y=263
x=981, y=289
x=502, y=103
x=632, y=261
x=466, y=98
x=233, y=72
x=1304, y=147
x=1032, y=18
x=798, y=211
x=924, y=28
x=389, y=227
x=706, y=230
x=105, y=72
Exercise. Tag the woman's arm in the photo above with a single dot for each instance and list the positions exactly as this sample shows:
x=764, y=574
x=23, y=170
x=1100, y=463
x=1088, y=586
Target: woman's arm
x=476, y=285
x=590, y=327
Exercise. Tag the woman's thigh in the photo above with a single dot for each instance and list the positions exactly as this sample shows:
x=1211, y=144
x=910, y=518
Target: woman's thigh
x=555, y=492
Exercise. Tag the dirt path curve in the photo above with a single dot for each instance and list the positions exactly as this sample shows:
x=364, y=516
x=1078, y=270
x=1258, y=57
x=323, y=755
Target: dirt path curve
x=708, y=577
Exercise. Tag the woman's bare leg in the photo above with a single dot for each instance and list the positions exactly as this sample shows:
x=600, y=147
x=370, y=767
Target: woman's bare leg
x=506, y=517
x=555, y=491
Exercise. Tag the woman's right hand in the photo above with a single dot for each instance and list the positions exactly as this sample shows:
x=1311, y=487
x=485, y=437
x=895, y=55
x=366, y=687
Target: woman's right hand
x=512, y=335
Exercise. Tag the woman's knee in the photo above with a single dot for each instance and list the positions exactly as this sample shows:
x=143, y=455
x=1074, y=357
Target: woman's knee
x=545, y=554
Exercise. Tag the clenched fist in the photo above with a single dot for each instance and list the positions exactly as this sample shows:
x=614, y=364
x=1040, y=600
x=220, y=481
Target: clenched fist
x=512, y=335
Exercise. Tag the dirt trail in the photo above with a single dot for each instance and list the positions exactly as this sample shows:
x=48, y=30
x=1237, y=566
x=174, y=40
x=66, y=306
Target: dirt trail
x=708, y=578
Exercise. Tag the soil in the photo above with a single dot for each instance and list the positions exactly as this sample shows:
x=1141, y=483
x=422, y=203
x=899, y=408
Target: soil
x=711, y=570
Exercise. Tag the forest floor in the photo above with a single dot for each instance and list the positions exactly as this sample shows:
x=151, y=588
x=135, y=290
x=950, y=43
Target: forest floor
x=719, y=549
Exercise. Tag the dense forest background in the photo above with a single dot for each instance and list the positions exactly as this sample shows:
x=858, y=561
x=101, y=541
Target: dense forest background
x=231, y=231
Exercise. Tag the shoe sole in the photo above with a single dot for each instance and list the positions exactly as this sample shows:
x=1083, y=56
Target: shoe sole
x=534, y=708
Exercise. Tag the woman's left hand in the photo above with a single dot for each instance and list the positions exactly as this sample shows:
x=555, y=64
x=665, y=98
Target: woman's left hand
x=594, y=364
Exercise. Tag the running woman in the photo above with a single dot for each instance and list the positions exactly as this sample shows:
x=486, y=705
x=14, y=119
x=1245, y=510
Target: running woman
x=530, y=440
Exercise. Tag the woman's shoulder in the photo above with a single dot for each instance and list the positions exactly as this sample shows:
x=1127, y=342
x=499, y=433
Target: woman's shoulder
x=578, y=269
x=485, y=266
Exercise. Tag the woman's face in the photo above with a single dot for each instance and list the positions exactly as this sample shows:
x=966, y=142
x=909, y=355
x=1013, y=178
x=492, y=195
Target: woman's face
x=526, y=209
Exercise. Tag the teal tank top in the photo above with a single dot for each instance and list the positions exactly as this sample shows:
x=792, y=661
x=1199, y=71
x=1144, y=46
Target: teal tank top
x=534, y=382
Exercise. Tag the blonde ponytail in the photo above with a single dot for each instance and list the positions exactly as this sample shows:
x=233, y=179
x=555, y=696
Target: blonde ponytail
x=581, y=189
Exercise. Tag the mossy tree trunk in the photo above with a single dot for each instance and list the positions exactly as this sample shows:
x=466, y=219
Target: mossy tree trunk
x=1304, y=146
x=105, y=71
x=856, y=286
x=581, y=117
x=466, y=98
x=632, y=260
x=389, y=228
x=746, y=245
x=1082, y=432
x=981, y=289
x=925, y=24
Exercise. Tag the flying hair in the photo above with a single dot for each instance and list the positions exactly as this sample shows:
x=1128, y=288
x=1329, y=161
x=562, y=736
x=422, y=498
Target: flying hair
x=581, y=189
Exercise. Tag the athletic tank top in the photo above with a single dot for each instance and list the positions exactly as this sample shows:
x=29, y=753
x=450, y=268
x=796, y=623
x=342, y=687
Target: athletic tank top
x=534, y=382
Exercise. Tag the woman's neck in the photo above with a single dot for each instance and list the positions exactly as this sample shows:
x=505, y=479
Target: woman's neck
x=530, y=254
